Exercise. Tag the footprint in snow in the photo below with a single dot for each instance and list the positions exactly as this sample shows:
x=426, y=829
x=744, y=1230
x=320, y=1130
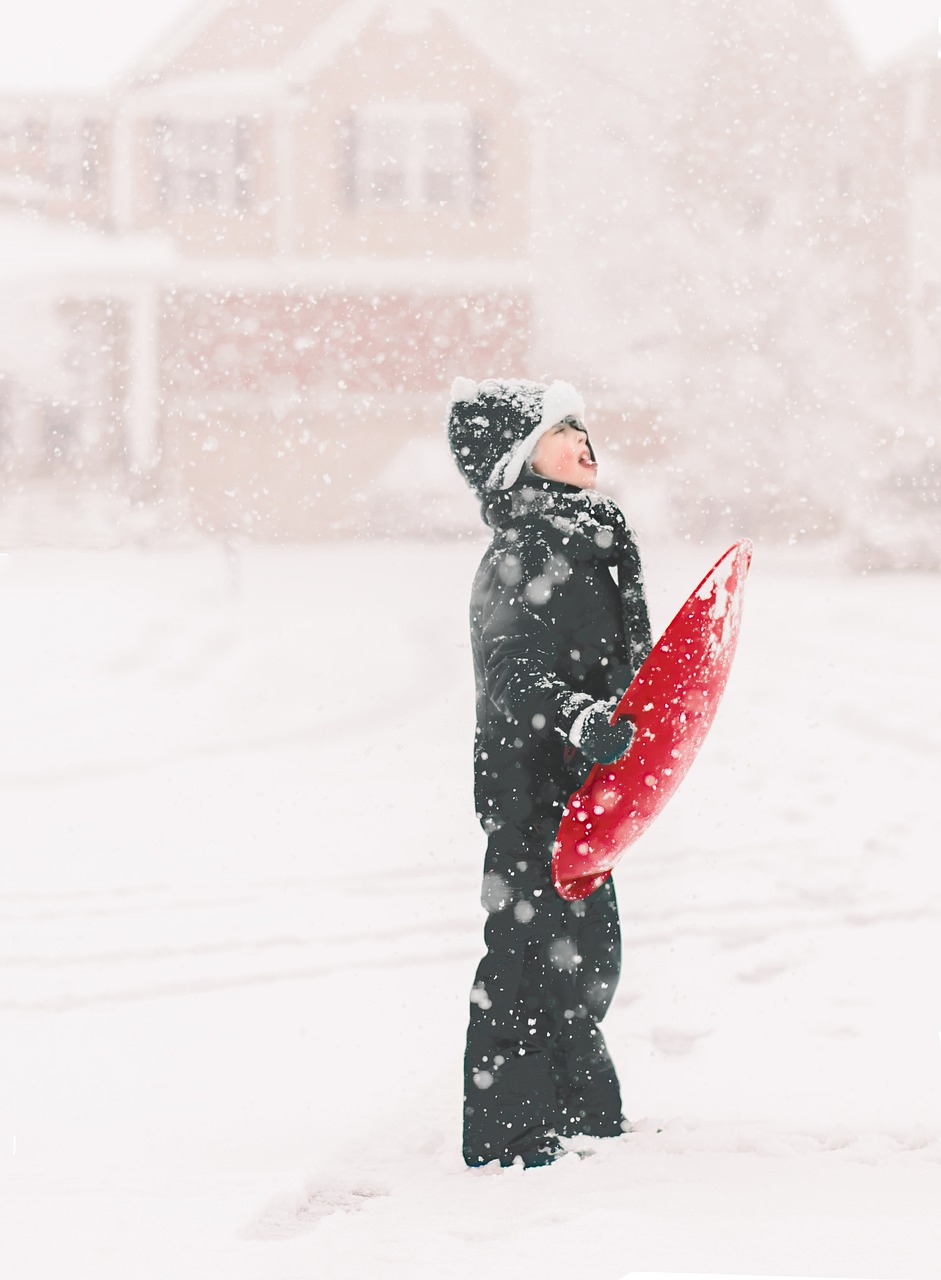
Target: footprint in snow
x=292, y=1215
x=674, y=1042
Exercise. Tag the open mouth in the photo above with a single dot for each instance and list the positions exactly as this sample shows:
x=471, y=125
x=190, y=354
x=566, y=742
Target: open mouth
x=586, y=460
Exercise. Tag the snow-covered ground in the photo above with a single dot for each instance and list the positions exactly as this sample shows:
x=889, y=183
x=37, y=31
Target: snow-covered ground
x=240, y=922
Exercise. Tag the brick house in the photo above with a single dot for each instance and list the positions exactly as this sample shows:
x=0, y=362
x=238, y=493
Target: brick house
x=918, y=85
x=298, y=221
x=347, y=187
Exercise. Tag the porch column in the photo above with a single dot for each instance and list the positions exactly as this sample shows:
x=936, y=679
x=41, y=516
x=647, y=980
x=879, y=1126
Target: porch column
x=143, y=447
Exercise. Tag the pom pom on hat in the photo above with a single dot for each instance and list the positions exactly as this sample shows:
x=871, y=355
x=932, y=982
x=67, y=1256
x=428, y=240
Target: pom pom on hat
x=463, y=389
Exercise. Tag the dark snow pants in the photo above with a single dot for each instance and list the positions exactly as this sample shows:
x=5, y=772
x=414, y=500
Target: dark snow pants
x=536, y=1062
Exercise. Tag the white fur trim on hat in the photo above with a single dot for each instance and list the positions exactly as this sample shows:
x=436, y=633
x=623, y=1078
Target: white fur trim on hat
x=463, y=389
x=560, y=401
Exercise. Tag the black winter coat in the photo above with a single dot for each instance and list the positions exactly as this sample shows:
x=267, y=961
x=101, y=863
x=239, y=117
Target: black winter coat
x=558, y=621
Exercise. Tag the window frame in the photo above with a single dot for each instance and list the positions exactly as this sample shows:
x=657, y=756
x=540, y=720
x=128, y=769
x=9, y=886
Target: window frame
x=414, y=160
x=223, y=184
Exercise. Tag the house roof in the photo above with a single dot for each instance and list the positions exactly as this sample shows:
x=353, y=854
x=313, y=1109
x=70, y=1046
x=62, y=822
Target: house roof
x=34, y=248
x=251, y=35
x=239, y=38
x=223, y=25
x=38, y=252
x=399, y=17
x=326, y=40
x=554, y=50
x=205, y=93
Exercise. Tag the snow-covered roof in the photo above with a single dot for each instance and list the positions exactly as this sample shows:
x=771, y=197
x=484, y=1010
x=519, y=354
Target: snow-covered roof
x=356, y=275
x=14, y=108
x=276, y=28
x=178, y=34
x=404, y=17
x=34, y=249
x=328, y=39
x=308, y=39
x=208, y=90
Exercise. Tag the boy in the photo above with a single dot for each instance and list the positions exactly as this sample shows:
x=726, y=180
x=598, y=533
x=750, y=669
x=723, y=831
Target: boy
x=558, y=628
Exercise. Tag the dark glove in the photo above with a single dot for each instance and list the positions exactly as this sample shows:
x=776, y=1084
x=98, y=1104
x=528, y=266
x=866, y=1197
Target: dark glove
x=597, y=738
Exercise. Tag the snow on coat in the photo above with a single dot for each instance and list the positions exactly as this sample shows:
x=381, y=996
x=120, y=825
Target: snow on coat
x=552, y=630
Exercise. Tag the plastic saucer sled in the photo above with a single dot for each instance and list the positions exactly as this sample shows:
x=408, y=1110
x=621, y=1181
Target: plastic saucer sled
x=673, y=700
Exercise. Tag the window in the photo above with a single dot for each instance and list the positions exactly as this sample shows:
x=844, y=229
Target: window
x=72, y=153
x=7, y=429
x=22, y=136
x=413, y=157
x=61, y=445
x=203, y=164
x=11, y=132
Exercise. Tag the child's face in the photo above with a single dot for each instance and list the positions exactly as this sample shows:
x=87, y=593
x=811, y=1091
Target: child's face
x=563, y=454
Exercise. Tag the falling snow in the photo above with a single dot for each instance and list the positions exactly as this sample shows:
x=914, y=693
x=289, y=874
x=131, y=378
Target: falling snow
x=242, y=262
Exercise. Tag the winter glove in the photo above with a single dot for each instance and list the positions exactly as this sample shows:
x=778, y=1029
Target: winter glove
x=597, y=738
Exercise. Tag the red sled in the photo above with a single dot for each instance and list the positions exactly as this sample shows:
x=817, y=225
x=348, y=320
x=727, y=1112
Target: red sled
x=672, y=700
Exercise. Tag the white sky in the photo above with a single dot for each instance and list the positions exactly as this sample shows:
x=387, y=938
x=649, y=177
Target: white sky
x=885, y=27
x=50, y=44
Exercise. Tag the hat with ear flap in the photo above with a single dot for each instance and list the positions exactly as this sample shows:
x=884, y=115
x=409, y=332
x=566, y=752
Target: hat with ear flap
x=494, y=426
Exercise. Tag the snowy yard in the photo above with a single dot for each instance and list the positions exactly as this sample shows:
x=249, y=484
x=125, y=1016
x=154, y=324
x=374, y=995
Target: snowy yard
x=240, y=922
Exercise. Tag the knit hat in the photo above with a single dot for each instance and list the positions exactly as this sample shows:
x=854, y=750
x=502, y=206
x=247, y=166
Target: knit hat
x=494, y=426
